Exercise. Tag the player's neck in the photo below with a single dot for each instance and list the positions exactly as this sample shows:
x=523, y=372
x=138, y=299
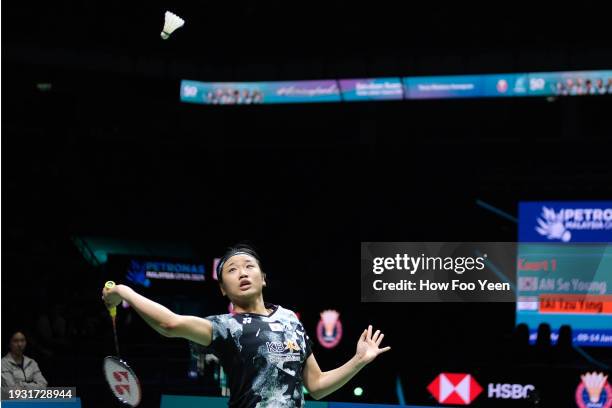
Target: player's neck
x=256, y=306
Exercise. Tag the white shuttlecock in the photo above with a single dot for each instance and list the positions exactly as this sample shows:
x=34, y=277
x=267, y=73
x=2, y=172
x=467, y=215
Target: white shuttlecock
x=171, y=23
x=329, y=317
x=594, y=383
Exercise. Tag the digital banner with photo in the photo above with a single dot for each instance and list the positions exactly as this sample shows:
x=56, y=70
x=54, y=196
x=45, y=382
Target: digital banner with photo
x=253, y=93
x=564, y=269
x=501, y=85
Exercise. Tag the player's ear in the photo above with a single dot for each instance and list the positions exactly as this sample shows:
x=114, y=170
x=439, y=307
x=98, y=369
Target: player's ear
x=264, y=278
x=221, y=288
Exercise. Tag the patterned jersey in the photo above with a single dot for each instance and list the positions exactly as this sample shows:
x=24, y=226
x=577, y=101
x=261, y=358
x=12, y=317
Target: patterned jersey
x=263, y=357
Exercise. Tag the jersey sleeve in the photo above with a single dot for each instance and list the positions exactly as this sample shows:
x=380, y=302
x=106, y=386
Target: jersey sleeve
x=307, y=341
x=218, y=342
x=308, y=348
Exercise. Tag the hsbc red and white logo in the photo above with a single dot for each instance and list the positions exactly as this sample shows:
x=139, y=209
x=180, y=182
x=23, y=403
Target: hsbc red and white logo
x=454, y=388
x=462, y=389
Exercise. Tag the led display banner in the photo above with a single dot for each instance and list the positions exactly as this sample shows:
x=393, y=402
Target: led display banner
x=371, y=89
x=568, y=83
x=576, y=83
x=142, y=271
x=248, y=93
x=466, y=86
x=579, y=83
x=47, y=403
x=564, y=269
x=566, y=284
x=565, y=221
x=148, y=272
x=185, y=401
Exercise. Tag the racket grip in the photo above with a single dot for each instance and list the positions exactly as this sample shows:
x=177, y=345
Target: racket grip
x=111, y=310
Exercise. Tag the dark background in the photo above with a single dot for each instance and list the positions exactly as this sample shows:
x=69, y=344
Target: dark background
x=109, y=151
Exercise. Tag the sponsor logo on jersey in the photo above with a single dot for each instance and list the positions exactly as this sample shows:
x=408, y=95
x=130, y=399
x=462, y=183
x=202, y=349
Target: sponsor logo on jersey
x=275, y=346
x=291, y=346
x=276, y=327
x=278, y=351
x=283, y=358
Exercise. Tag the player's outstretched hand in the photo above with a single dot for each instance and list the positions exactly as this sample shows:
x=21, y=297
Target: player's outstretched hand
x=368, y=345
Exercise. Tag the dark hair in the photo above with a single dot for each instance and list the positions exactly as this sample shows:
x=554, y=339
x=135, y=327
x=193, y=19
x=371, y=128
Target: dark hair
x=233, y=250
x=8, y=337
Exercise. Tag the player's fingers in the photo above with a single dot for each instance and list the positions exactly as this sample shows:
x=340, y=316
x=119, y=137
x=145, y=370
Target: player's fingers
x=375, y=336
x=369, y=333
x=379, y=340
x=363, y=335
x=382, y=350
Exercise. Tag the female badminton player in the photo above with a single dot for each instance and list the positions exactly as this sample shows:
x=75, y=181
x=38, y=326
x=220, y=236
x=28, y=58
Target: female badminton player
x=263, y=347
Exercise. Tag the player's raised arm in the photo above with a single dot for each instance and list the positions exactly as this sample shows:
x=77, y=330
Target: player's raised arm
x=322, y=383
x=160, y=318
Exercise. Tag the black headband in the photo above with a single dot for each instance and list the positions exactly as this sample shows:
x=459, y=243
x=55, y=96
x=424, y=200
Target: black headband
x=227, y=257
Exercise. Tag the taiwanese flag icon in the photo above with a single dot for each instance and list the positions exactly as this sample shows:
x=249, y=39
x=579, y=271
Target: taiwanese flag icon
x=454, y=388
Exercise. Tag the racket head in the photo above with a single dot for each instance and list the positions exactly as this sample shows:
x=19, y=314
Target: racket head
x=122, y=381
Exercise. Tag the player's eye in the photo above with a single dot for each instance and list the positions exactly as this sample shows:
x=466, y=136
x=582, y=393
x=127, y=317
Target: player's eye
x=250, y=266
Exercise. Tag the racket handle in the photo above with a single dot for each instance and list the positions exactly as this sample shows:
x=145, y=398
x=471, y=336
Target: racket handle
x=111, y=310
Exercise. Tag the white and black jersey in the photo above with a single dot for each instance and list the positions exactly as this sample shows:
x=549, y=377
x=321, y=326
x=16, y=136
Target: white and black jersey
x=263, y=357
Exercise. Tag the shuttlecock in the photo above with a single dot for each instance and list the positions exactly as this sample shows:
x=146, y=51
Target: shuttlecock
x=594, y=383
x=329, y=317
x=171, y=23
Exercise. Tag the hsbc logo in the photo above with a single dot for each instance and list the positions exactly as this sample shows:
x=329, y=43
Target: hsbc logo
x=462, y=389
x=454, y=388
x=510, y=391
